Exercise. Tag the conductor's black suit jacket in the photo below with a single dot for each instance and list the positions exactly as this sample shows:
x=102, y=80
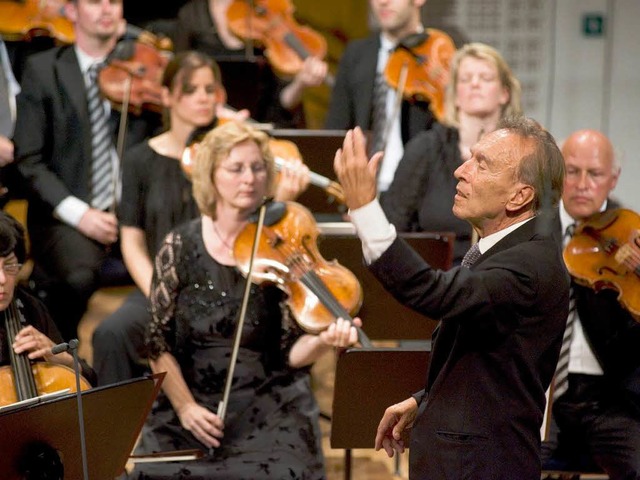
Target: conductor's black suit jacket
x=493, y=356
x=53, y=134
x=352, y=95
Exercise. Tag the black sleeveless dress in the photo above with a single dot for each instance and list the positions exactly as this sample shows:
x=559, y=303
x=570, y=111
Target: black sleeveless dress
x=271, y=426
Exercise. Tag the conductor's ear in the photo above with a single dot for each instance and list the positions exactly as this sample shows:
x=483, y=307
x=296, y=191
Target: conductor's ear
x=522, y=197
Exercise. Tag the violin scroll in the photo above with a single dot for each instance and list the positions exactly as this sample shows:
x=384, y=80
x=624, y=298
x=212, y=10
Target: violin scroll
x=425, y=59
x=133, y=74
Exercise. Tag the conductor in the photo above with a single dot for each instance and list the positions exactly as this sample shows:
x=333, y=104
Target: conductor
x=502, y=317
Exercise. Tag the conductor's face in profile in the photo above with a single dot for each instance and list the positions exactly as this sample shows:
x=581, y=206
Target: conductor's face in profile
x=489, y=194
x=9, y=269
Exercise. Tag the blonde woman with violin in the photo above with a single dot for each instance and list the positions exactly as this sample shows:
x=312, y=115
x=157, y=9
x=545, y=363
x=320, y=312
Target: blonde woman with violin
x=156, y=197
x=482, y=91
x=38, y=333
x=270, y=429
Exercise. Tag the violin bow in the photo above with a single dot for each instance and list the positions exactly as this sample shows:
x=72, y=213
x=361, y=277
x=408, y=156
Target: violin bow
x=222, y=406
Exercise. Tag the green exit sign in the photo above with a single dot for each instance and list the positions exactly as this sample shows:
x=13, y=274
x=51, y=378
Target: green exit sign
x=593, y=25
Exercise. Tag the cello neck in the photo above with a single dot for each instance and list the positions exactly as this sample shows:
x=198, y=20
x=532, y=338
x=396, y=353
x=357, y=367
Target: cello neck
x=20, y=365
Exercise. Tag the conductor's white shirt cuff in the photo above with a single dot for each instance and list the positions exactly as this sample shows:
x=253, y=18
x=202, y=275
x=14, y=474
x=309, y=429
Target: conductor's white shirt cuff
x=374, y=230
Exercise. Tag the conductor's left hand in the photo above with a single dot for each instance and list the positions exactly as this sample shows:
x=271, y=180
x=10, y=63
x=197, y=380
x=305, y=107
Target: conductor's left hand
x=396, y=419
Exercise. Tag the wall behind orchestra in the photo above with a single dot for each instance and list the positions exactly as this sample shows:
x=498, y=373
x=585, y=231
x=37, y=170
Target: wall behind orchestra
x=574, y=74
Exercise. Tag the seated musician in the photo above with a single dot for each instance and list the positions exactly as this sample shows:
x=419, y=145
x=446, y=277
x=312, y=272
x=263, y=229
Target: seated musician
x=202, y=25
x=271, y=426
x=156, y=197
x=482, y=91
x=39, y=333
x=596, y=395
x=65, y=151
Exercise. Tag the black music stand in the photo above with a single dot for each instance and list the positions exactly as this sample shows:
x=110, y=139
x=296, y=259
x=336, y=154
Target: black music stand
x=383, y=317
x=368, y=381
x=113, y=418
x=318, y=148
x=245, y=81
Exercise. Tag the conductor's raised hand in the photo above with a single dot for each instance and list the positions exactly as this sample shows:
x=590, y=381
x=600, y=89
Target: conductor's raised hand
x=356, y=173
x=396, y=420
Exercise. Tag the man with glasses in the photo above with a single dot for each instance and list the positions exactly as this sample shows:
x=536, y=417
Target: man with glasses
x=596, y=412
x=38, y=333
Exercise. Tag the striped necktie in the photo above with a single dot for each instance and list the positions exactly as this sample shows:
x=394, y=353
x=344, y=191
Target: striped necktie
x=561, y=377
x=102, y=182
x=6, y=120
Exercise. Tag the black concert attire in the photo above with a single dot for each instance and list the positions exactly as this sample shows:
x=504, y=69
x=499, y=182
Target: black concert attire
x=156, y=197
x=195, y=30
x=271, y=426
x=53, y=142
x=596, y=422
x=420, y=198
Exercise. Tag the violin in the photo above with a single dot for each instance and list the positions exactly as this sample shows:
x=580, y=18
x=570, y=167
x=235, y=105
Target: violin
x=604, y=252
x=23, y=380
x=271, y=23
x=23, y=20
x=132, y=77
x=419, y=68
x=287, y=255
x=285, y=153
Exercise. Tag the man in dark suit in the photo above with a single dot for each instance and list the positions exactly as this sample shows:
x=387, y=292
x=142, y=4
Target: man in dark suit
x=353, y=96
x=596, y=411
x=501, y=318
x=71, y=236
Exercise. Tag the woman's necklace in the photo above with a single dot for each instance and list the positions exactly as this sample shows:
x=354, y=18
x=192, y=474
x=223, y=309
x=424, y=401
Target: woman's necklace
x=229, y=247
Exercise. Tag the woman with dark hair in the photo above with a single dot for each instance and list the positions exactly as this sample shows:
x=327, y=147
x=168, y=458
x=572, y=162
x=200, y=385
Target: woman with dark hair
x=38, y=333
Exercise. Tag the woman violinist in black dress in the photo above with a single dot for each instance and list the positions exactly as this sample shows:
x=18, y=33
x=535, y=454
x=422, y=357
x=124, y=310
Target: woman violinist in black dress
x=271, y=426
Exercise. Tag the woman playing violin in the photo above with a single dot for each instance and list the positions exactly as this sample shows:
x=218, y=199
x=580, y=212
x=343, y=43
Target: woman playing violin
x=203, y=26
x=482, y=91
x=271, y=426
x=39, y=333
x=156, y=197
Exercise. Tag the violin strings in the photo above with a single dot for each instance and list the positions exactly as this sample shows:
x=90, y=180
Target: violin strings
x=310, y=279
x=23, y=378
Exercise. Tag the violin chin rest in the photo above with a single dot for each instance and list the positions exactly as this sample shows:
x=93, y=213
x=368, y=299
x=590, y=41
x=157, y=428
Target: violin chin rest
x=275, y=212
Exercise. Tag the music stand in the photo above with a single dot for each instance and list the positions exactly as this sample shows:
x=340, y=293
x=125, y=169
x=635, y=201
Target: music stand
x=244, y=80
x=384, y=318
x=318, y=148
x=368, y=381
x=113, y=418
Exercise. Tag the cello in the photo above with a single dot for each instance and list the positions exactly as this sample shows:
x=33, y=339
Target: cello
x=22, y=379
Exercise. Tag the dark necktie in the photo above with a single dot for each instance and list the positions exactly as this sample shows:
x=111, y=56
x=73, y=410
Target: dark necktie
x=102, y=182
x=561, y=377
x=6, y=121
x=379, y=114
x=471, y=256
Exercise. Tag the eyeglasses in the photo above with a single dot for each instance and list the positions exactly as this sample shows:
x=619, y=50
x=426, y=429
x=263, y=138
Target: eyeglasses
x=238, y=169
x=11, y=268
